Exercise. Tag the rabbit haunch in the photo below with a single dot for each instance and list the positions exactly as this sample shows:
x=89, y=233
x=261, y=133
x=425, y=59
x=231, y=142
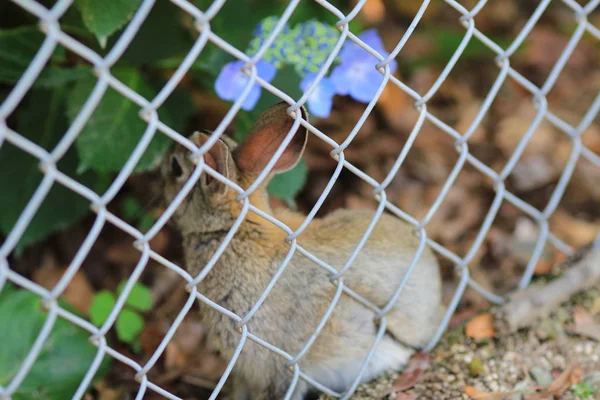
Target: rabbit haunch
x=293, y=309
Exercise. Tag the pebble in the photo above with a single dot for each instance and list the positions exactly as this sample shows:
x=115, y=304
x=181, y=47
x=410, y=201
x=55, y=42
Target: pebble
x=508, y=360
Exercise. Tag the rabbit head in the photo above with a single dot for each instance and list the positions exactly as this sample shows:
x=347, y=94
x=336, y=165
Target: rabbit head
x=212, y=205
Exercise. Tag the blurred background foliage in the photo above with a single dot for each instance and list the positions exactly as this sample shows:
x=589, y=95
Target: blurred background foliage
x=107, y=140
x=109, y=137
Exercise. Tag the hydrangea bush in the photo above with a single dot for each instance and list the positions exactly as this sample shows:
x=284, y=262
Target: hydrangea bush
x=306, y=47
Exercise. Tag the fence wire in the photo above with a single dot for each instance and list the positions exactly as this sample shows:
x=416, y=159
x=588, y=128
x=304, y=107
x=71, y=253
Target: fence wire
x=49, y=24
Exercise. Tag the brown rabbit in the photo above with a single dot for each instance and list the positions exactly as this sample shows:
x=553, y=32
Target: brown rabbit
x=296, y=304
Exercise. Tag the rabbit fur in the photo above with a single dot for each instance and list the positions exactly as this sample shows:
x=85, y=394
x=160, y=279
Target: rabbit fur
x=296, y=304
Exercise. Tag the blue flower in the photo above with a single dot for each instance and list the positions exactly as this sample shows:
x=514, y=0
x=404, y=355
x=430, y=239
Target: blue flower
x=321, y=98
x=356, y=74
x=231, y=82
x=352, y=51
x=314, y=42
x=281, y=47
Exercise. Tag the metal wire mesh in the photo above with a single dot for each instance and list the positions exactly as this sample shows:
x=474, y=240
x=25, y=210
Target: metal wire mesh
x=49, y=24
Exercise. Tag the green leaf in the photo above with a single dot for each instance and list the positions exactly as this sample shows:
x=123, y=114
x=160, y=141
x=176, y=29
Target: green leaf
x=41, y=120
x=161, y=36
x=129, y=325
x=6, y=290
x=146, y=222
x=139, y=298
x=104, y=19
x=583, y=389
x=63, y=361
x=115, y=127
x=131, y=208
x=177, y=110
x=236, y=20
x=287, y=185
x=53, y=76
x=18, y=47
x=101, y=306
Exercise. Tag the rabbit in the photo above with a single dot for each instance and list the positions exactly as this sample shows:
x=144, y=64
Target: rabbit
x=299, y=299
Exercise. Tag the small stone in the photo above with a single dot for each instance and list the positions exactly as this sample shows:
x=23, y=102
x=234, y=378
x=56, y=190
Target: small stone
x=541, y=376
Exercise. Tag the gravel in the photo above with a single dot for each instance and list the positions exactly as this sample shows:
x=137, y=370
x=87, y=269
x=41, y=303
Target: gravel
x=506, y=362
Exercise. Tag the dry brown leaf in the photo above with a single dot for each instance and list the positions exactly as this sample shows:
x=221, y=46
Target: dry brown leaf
x=394, y=104
x=373, y=11
x=151, y=337
x=460, y=316
x=123, y=253
x=585, y=325
x=411, y=375
x=510, y=132
x=174, y=357
x=595, y=307
x=481, y=327
x=106, y=392
x=78, y=293
x=576, y=232
x=560, y=385
x=478, y=394
x=404, y=396
x=160, y=242
x=543, y=267
x=467, y=115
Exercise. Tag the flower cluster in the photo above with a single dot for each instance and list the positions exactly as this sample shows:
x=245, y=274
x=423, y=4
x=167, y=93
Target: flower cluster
x=306, y=48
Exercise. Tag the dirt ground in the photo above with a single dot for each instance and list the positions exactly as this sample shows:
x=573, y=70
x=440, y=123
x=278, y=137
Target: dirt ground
x=506, y=364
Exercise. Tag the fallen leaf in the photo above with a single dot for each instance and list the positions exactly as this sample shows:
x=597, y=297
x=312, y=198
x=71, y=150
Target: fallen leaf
x=106, y=392
x=481, y=327
x=595, y=307
x=412, y=374
x=467, y=114
x=160, y=242
x=576, y=232
x=151, y=337
x=123, y=253
x=395, y=107
x=404, y=396
x=585, y=325
x=373, y=12
x=174, y=357
x=476, y=367
x=478, y=394
x=543, y=267
x=559, y=386
x=461, y=316
x=78, y=293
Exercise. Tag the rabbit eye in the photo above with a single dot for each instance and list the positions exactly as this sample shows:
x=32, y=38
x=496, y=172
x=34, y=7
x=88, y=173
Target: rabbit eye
x=176, y=169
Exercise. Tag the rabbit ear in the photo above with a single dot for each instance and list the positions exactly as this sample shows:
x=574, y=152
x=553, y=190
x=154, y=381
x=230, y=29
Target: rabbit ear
x=267, y=134
x=218, y=157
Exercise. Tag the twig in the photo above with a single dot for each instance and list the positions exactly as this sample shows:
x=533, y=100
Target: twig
x=524, y=308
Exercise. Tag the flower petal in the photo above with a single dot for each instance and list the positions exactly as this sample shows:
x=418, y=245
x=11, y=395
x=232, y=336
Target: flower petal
x=321, y=99
x=341, y=79
x=372, y=38
x=320, y=106
x=265, y=70
x=364, y=90
x=252, y=98
x=352, y=52
x=231, y=82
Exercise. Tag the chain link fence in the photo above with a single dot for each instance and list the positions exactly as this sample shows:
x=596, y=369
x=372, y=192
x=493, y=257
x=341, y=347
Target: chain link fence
x=49, y=24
